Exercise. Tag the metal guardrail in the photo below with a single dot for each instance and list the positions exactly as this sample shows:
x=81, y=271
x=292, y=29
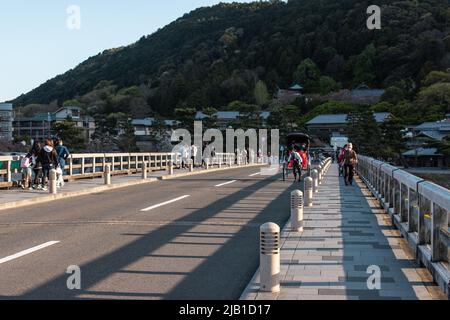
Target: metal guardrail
x=87, y=165
x=419, y=208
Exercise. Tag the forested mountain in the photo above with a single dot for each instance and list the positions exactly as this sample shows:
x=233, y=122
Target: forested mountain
x=213, y=56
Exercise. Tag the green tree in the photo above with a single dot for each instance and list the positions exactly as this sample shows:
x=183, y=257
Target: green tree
x=363, y=71
x=392, y=144
x=435, y=77
x=210, y=121
x=186, y=118
x=73, y=103
x=327, y=85
x=261, y=93
x=308, y=75
x=393, y=95
x=126, y=141
x=437, y=94
x=364, y=133
x=72, y=136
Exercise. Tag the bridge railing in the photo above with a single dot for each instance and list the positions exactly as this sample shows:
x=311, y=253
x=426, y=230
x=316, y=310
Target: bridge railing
x=87, y=165
x=419, y=208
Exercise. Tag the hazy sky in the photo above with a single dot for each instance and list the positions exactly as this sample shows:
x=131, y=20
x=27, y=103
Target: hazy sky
x=36, y=44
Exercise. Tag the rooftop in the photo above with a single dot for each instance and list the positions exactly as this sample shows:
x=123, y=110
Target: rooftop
x=6, y=107
x=424, y=152
x=229, y=115
x=380, y=117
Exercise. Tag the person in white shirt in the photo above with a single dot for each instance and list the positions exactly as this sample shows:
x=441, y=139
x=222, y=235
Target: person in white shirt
x=194, y=150
x=298, y=162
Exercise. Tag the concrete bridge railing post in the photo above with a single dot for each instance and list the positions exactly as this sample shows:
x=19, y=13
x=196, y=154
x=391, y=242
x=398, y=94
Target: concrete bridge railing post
x=308, y=188
x=107, y=175
x=52, y=188
x=315, y=178
x=269, y=258
x=297, y=210
x=144, y=170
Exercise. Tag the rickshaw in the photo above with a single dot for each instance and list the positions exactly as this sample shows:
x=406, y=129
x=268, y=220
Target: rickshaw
x=301, y=140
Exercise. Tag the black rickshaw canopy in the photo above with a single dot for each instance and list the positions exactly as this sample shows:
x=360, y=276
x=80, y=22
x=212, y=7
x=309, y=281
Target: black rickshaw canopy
x=298, y=138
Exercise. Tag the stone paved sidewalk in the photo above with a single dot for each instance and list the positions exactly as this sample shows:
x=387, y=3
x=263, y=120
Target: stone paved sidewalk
x=345, y=233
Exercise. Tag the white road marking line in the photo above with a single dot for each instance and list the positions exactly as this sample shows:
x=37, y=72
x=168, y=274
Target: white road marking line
x=165, y=203
x=255, y=174
x=224, y=184
x=28, y=251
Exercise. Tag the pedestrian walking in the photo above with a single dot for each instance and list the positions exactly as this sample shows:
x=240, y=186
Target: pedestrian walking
x=185, y=151
x=297, y=163
x=36, y=165
x=49, y=160
x=350, y=161
x=194, y=150
x=63, y=154
x=26, y=164
x=341, y=160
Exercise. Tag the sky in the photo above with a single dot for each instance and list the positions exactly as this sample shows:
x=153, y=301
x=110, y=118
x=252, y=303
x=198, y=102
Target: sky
x=36, y=43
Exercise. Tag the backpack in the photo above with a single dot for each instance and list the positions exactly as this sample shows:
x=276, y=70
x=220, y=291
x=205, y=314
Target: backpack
x=25, y=163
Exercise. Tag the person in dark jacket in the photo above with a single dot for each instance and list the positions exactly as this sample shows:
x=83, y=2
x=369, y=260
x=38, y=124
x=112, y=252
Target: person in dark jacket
x=63, y=153
x=37, y=167
x=350, y=161
x=49, y=160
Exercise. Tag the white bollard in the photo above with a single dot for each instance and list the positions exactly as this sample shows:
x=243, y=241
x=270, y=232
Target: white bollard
x=170, y=168
x=320, y=170
x=315, y=177
x=297, y=210
x=308, y=188
x=107, y=174
x=144, y=170
x=52, y=182
x=191, y=166
x=207, y=164
x=269, y=258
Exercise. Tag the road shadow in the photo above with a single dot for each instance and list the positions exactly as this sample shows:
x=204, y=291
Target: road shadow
x=222, y=275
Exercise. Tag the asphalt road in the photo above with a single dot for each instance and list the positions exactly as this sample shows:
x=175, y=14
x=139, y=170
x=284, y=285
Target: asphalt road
x=189, y=238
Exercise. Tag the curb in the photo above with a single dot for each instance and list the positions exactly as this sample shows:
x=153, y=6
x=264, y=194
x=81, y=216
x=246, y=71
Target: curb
x=72, y=194
x=187, y=174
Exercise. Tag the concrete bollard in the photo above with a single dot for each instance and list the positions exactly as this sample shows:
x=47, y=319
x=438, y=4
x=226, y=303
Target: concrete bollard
x=320, y=170
x=191, y=166
x=308, y=187
x=170, y=168
x=297, y=210
x=144, y=170
x=315, y=178
x=269, y=258
x=207, y=164
x=107, y=174
x=52, y=189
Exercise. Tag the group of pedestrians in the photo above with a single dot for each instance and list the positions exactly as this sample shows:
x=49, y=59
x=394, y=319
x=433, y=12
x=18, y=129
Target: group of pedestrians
x=43, y=157
x=191, y=153
x=347, y=160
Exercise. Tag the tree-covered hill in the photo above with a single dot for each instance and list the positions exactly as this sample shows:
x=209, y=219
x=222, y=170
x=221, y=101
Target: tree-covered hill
x=215, y=55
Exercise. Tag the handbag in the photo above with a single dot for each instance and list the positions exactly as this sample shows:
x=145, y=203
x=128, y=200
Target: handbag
x=25, y=162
